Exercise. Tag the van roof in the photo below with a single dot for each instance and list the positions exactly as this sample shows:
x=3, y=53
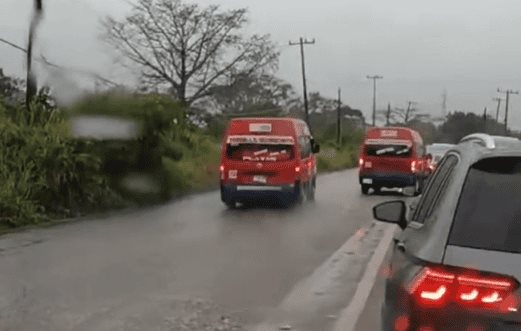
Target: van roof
x=401, y=133
x=269, y=119
x=280, y=125
x=399, y=128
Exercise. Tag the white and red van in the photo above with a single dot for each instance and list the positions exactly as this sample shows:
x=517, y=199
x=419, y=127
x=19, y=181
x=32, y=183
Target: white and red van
x=267, y=158
x=392, y=157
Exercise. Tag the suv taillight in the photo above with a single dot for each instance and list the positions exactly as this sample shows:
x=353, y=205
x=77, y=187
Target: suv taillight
x=435, y=288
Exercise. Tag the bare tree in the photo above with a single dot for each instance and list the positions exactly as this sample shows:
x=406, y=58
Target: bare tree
x=404, y=115
x=187, y=48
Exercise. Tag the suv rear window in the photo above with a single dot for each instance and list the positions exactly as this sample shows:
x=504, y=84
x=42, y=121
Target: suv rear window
x=260, y=152
x=388, y=150
x=489, y=211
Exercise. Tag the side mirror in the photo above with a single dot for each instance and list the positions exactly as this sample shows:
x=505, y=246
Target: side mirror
x=391, y=212
x=315, y=148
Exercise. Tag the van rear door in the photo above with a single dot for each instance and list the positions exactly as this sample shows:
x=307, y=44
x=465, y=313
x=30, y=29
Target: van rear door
x=260, y=160
x=388, y=156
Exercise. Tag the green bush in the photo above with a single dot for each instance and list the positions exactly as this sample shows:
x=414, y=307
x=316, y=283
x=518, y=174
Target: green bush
x=43, y=172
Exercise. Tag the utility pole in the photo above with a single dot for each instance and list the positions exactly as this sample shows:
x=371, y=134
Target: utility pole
x=374, y=78
x=444, y=103
x=498, y=108
x=303, y=42
x=408, y=111
x=388, y=115
x=339, y=119
x=485, y=119
x=508, y=93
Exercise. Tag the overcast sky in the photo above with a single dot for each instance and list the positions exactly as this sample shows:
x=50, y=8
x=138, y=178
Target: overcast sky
x=468, y=47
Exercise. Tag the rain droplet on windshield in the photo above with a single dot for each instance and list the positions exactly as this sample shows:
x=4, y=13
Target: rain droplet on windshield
x=104, y=128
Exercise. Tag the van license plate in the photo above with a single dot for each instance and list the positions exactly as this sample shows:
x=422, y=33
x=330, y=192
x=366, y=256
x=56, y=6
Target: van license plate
x=260, y=179
x=367, y=181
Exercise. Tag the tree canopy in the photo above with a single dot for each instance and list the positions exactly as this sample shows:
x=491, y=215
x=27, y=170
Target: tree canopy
x=187, y=48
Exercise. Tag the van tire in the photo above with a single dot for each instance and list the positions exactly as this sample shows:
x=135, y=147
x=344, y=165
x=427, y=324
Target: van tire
x=365, y=189
x=301, y=193
x=231, y=204
x=418, y=187
x=311, y=189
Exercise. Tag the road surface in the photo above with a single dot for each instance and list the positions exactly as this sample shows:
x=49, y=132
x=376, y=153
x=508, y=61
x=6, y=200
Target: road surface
x=194, y=265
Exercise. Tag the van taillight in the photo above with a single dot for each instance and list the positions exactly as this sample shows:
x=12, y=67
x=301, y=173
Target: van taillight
x=221, y=168
x=413, y=166
x=297, y=169
x=438, y=288
x=361, y=162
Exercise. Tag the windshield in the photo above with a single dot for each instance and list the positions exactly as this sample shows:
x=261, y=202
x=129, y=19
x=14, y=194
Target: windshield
x=388, y=150
x=259, y=152
x=489, y=213
x=213, y=164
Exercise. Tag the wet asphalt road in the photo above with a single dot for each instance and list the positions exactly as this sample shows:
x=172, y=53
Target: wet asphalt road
x=128, y=272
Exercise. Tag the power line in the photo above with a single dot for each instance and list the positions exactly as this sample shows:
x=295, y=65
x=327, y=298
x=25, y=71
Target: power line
x=374, y=78
x=508, y=93
x=301, y=43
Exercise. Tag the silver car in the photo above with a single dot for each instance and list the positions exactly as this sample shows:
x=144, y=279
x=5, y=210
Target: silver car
x=457, y=263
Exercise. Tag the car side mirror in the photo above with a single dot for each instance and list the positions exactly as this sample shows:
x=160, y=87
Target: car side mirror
x=393, y=212
x=315, y=148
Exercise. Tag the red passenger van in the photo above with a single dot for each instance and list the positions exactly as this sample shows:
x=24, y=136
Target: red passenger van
x=267, y=158
x=392, y=157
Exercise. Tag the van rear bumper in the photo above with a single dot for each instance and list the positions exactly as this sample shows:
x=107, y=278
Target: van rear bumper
x=241, y=193
x=388, y=180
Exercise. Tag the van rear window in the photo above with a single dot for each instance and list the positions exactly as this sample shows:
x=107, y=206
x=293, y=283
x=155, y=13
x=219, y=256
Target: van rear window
x=388, y=150
x=489, y=213
x=260, y=152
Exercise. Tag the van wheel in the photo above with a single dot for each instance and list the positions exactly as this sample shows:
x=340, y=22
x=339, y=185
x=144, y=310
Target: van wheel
x=301, y=194
x=231, y=204
x=418, y=187
x=365, y=189
x=311, y=190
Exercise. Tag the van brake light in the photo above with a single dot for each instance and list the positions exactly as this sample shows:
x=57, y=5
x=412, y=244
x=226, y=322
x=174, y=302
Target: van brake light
x=361, y=162
x=297, y=169
x=413, y=166
x=221, y=168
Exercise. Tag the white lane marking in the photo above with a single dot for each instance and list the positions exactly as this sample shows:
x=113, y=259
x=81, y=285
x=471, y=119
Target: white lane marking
x=302, y=298
x=350, y=315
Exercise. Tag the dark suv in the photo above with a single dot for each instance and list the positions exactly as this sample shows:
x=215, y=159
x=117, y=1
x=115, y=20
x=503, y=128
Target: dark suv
x=457, y=263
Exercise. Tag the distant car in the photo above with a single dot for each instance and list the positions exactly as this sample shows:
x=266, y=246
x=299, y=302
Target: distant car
x=392, y=157
x=268, y=158
x=437, y=151
x=456, y=265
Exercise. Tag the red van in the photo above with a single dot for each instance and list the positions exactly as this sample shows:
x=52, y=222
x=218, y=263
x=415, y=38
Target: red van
x=265, y=158
x=392, y=157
